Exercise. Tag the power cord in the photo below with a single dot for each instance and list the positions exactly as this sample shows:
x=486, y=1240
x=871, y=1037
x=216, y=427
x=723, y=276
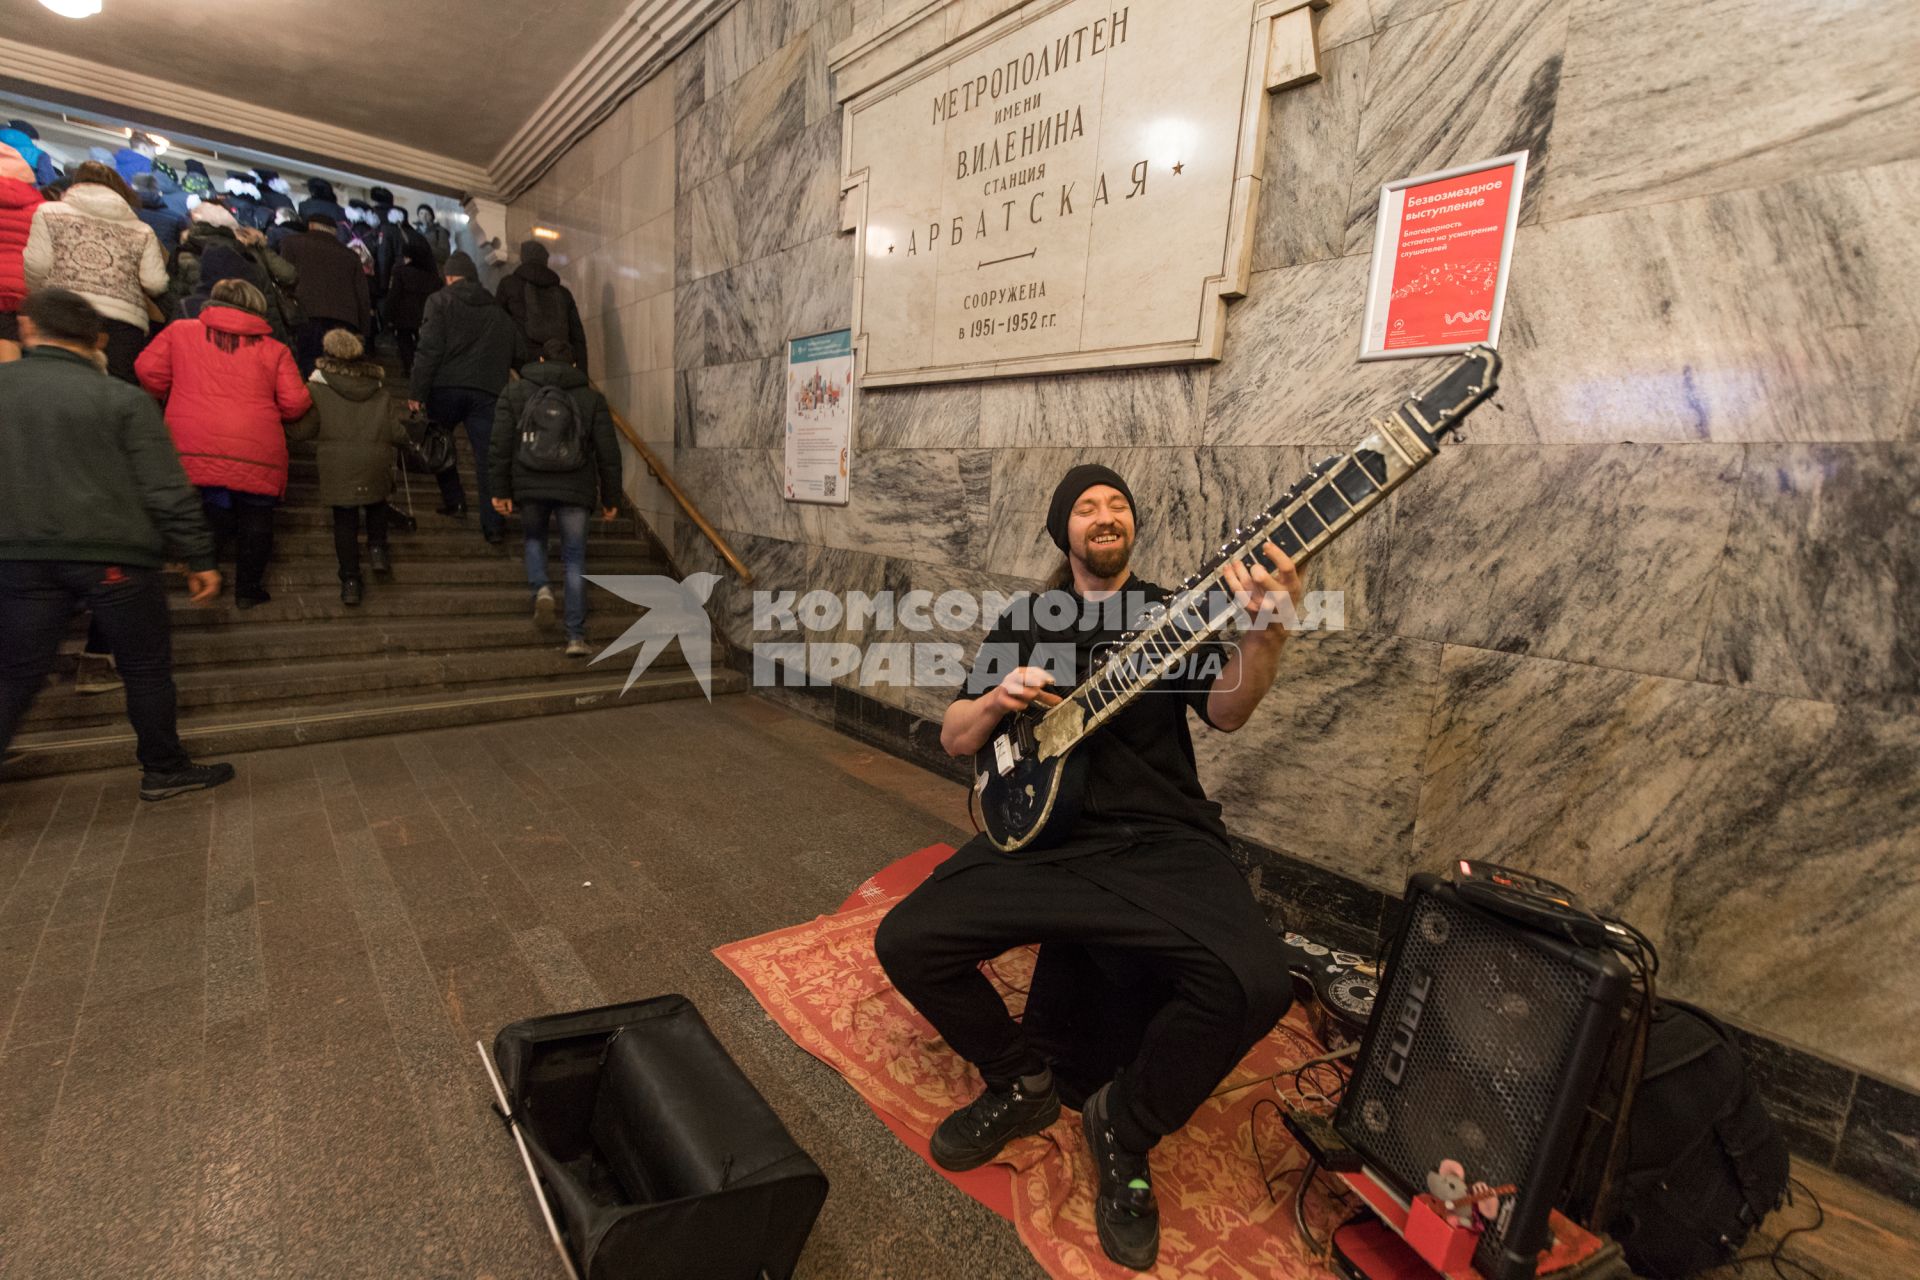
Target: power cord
x=1776, y=1257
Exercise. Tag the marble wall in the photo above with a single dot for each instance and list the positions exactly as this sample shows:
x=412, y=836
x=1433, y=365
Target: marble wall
x=611, y=201
x=1650, y=630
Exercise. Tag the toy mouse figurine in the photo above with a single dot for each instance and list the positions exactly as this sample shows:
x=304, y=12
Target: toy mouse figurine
x=1448, y=1184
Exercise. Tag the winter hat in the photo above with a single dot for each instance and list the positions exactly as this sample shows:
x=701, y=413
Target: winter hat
x=320, y=188
x=216, y=214
x=221, y=263
x=380, y=195
x=17, y=139
x=14, y=165
x=343, y=344
x=23, y=127
x=459, y=264
x=1076, y=482
x=533, y=253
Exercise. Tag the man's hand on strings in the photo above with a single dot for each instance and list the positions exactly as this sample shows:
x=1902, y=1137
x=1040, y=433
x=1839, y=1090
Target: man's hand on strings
x=1271, y=596
x=1024, y=687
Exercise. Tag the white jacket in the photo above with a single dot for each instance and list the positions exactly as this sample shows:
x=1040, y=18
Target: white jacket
x=92, y=243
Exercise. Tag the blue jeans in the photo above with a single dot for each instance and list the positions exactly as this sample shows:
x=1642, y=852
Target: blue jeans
x=450, y=406
x=534, y=515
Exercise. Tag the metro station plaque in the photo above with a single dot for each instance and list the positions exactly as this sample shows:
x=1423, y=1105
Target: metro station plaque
x=1069, y=186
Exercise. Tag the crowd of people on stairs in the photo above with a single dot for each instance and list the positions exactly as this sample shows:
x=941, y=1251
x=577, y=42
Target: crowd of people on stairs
x=157, y=356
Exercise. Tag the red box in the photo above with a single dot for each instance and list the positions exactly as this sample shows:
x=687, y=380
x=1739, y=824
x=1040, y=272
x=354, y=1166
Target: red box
x=1447, y=1247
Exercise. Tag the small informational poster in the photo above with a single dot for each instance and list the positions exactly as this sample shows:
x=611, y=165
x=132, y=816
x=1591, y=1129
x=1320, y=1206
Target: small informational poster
x=819, y=416
x=1441, y=249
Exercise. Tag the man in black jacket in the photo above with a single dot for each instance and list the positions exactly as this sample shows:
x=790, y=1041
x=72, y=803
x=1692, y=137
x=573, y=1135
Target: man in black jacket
x=92, y=502
x=332, y=291
x=547, y=496
x=542, y=308
x=468, y=347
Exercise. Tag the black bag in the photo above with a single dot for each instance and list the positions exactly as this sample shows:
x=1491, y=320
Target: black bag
x=1703, y=1162
x=551, y=434
x=429, y=446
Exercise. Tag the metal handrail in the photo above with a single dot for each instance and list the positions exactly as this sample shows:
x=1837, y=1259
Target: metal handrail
x=658, y=470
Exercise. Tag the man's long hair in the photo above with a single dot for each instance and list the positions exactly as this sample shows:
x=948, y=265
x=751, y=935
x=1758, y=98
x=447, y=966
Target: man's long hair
x=1061, y=578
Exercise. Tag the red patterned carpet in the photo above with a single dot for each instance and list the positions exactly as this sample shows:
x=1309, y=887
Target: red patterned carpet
x=821, y=983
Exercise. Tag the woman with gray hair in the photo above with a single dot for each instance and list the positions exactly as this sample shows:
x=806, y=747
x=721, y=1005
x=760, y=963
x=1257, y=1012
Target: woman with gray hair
x=228, y=387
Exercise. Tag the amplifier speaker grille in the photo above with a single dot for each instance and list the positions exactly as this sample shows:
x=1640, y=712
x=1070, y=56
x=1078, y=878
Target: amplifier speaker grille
x=1480, y=1031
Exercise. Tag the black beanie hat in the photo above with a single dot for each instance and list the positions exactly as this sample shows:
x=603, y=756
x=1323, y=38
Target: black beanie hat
x=461, y=265
x=1077, y=482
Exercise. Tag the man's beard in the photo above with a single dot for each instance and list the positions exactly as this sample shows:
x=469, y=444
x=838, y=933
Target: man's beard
x=1108, y=559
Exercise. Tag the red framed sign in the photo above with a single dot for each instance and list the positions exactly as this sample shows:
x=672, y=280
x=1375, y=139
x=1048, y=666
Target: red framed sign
x=1441, y=248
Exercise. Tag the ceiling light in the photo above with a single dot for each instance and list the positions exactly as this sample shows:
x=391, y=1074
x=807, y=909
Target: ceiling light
x=546, y=233
x=73, y=8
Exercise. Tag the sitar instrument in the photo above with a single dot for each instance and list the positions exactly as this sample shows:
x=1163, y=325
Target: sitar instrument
x=1030, y=781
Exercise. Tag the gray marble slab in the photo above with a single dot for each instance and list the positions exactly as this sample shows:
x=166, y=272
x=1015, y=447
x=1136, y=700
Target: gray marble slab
x=1663, y=101
x=768, y=105
x=1387, y=13
x=1119, y=408
x=915, y=504
x=1776, y=314
x=737, y=405
x=1605, y=554
x=1343, y=21
x=690, y=324
x=712, y=219
x=689, y=71
x=1288, y=373
x=740, y=490
x=1328, y=768
x=1817, y=593
x=790, y=193
x=936, y=415
x=1768, y=845
x=1306, y=187
x=749, y=33
x=1467, y=82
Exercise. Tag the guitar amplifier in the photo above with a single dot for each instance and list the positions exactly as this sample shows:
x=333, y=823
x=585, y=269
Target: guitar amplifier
x=1485, y=1045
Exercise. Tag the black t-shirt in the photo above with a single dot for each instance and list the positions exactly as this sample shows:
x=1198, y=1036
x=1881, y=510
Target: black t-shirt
x=1142, y=782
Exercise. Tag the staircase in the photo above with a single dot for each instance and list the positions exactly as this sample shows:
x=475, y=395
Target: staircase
x=448, y=639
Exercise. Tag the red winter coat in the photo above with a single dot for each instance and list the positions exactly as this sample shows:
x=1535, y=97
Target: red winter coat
x=225, y=408
x=18, y=200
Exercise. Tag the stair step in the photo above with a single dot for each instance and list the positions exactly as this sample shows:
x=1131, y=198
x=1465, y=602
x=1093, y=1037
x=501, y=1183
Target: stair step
x=209, y=688
x=374, y=638
x=263, y=729
x=314, y=516
x=440, y=536
x=316, y=569
x=322, y=602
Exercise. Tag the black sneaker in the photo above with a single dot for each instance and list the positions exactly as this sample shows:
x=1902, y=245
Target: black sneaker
x=976, y=1132
x=379, y=561
x=1124, y=1210
x=352, y=590
x=156, y=785
x=251, y=599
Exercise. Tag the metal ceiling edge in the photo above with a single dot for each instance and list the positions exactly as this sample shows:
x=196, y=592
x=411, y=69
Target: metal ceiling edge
x=648, y=36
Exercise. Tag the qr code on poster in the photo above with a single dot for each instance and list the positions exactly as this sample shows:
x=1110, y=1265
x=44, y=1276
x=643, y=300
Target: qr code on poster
x=830, y=487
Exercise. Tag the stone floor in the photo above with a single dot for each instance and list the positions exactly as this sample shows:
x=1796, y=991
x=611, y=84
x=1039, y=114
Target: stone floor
x=238, y=1027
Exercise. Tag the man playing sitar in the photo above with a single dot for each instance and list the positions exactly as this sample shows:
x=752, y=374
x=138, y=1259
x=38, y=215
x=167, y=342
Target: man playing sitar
x=1142, y=869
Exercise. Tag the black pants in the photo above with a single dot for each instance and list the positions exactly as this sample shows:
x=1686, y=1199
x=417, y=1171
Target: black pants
x=125, y=342
x=408, y=340
x=346, y=535
x=248, y=528
x=309, y=342
x=932, y=944
x=452, y=406
x=37, y=600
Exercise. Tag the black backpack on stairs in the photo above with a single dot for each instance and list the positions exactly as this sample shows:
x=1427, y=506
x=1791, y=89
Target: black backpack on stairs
x=1702, y=1163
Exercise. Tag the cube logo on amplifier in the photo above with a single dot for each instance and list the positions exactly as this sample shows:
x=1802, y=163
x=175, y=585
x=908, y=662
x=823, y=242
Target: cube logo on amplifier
x=1413, y=1003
